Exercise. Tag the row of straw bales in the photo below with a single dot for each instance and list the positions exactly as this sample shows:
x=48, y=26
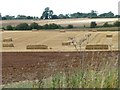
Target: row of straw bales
x=7, y=42
x=36, y=47
x=97, y=47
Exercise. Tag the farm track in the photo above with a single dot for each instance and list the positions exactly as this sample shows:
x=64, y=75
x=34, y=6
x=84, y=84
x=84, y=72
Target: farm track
x=20, y=66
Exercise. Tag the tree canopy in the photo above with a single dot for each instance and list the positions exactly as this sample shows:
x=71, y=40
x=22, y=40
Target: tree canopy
x=49, y=14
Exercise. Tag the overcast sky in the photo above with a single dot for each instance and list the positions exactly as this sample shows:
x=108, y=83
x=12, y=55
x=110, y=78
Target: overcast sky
x=36, y=7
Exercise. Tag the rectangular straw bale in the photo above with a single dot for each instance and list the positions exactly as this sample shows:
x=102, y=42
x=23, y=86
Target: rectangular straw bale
x=62, y=31
x=34, y=30
x=94, y=30
x=109, y=35
x=8, y=45
x=36, y=47
x=96, y=47
x=7, y=40
x=66, y=43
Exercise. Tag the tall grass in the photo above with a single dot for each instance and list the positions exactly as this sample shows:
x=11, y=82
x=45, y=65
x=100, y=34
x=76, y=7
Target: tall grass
x=89, y=79
x=102, y=75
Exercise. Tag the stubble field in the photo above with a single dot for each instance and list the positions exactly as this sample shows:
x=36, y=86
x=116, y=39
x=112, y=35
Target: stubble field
x=54, y=39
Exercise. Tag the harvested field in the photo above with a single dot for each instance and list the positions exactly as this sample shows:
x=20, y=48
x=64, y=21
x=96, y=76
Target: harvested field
x=54, y=39
x=37, y=65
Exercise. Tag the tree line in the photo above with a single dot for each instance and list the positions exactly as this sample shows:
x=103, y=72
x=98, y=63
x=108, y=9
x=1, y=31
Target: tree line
x=49, y=14
x=36, y=26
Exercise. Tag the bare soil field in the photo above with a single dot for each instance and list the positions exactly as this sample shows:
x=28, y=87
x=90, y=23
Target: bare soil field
x=76, y=22
x=54, y=39
x=21, y=66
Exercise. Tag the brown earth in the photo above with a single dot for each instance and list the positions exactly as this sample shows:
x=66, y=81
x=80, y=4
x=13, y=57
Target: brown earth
x=21, y=66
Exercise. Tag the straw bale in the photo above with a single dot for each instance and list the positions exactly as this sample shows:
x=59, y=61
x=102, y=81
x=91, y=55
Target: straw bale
x=36, y=47
x=96, y=47
x=8, y=45
x=7, y=40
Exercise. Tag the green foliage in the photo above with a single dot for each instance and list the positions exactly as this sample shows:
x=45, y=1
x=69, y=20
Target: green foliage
x=34, y=26
x=93, y=24
x=52, y=26
x=3, y=28
x=8, y=17
x=22, y=26
x=61, y=16
x=117, y=24
x=107, y=25
x=55, y=17
x=46, y=26
x=107, y=15
x=93, y=14
x=47, y=13
x=9, y=27
x=70, y=26
x=25, y=26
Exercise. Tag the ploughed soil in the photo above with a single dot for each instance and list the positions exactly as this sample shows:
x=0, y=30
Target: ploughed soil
x=21, y=66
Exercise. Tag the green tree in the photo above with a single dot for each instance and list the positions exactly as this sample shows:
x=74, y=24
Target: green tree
x=46, y=26
x=93, y=14
x=55, y=17
x=21, y=17
x=70, y=26
x=8, y=17
x=47, y=13
x=117, y=24
x=107, y=15
x=9, y=27
x=0, y=16
x=107, y=25
x=61, y=16
x=34, y=26
x=93, y=24
x=22, y=26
